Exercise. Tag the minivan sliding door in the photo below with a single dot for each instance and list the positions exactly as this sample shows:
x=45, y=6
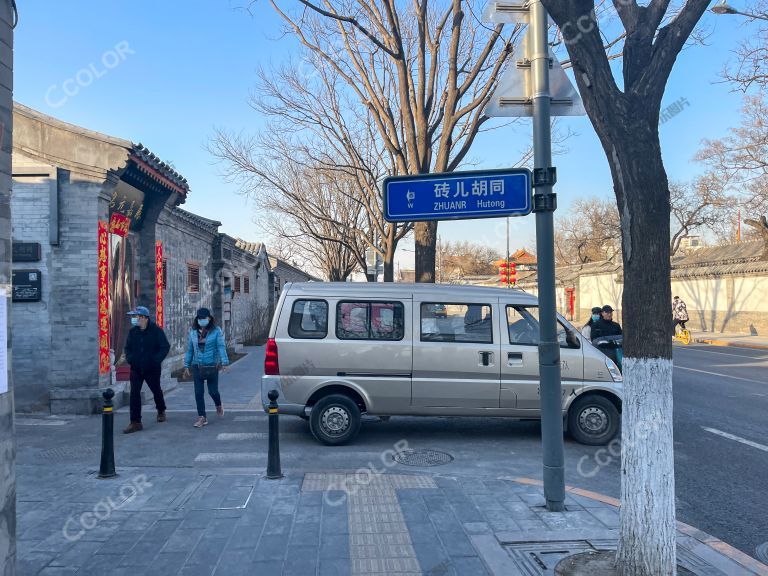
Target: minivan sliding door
x=455, y=355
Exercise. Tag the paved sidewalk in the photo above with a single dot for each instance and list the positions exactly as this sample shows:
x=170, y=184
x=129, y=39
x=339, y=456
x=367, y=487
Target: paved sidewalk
x=195, y=502
x=735, y=340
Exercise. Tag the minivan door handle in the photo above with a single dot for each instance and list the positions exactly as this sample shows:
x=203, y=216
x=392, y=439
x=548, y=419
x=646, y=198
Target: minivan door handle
x=514, y=358
x=486, y=358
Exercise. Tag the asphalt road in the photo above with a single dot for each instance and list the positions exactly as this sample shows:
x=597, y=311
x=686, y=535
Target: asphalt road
x=721, y=442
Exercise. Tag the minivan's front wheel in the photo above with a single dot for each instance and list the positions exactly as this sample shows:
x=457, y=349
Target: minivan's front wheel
x=593, y=420
x=335, y=420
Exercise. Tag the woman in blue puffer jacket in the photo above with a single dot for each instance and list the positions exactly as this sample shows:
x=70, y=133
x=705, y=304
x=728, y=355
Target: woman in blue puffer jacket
x=206, y=351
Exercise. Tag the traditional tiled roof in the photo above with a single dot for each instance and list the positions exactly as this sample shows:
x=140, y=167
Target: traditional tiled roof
x=205, y=223
x=150, y=164
x=251, y=247
x=46, y=138
x=289, y=272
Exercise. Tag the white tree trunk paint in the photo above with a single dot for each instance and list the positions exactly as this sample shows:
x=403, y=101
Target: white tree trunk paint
x=648, y=527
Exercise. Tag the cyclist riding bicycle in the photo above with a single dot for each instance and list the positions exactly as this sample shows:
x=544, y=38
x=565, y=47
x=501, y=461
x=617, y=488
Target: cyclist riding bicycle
x=679, y=313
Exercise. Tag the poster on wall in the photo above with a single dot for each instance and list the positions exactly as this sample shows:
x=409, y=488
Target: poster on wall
x=159, y=283
x=3, y=341
x=103, y=287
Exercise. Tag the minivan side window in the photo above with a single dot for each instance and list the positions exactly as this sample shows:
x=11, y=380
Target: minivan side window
x=370, y=321
x=309, y=319
x=444, y=322
x=523, y=324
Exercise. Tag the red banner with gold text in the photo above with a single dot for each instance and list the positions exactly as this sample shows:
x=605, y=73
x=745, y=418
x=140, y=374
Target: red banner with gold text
x=159, y=283
x=103, y=300
x=119, y=224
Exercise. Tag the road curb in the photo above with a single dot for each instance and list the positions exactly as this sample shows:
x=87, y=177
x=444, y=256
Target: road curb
x=728, y=343
x=718, y=546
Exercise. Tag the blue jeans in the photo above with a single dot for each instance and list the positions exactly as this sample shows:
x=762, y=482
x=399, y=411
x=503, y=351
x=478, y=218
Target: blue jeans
x=211, y=375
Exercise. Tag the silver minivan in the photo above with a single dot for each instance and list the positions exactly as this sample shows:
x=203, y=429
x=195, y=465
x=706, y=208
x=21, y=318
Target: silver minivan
x=340, y=350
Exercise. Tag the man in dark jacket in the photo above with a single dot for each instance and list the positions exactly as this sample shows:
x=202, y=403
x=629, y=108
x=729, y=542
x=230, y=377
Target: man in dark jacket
x=605, y=326
x=145, y=351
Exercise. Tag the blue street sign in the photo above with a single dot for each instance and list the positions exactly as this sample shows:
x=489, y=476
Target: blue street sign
x=457, y=195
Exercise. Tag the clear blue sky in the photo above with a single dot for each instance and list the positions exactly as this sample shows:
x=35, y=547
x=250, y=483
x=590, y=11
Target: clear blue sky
x=191, y=66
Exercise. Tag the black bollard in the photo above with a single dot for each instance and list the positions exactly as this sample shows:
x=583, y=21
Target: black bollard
x=273, y=456
x=107, y=468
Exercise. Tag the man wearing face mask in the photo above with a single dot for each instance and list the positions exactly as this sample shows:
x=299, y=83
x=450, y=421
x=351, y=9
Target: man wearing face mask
x=605, y=326
x=145, y=351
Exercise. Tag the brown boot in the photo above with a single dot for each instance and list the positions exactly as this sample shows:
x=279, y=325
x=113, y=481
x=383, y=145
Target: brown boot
x=161, y=416
x=133, y=427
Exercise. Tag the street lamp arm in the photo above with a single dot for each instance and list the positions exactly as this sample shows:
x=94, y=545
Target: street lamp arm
x=725, y=8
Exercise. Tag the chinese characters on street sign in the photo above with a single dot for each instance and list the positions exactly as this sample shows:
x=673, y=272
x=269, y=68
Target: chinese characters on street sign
x=457, y=195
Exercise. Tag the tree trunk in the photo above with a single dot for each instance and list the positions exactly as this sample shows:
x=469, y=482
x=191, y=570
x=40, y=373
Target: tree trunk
x=647, y=543
x=762, y=227
x=425, y=236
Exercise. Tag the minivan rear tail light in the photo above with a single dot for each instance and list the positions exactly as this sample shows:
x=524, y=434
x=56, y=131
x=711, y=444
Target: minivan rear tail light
x=271, y=364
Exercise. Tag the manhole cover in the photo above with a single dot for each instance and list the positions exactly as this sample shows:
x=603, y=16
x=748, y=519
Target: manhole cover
x=422, y=457
x=761, y=552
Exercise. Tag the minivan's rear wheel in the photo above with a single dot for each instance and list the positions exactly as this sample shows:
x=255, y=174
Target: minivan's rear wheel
x=593, y=420
x=335, y=420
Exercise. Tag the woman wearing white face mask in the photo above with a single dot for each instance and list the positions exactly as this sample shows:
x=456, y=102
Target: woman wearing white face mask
x=587, y=329
x=206, y=351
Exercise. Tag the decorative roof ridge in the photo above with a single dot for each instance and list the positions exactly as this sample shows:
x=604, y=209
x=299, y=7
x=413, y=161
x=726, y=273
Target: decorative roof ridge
x=250, y=247
x=196, y=219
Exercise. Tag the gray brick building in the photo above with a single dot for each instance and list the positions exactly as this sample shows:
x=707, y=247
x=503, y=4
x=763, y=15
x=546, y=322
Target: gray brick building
x=72, y=188
x=7, y=432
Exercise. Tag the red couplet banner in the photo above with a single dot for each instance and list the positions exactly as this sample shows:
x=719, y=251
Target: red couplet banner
x=103, y=300
x=159, y=283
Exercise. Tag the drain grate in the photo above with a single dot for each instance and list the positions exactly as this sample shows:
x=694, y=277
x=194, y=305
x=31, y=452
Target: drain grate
x=422, y=458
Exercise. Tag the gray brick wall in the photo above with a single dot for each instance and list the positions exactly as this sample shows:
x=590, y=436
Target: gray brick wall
x=30, y=209
x=7, y=440
x=249, y=312
x=184, y=242
x=73, y=310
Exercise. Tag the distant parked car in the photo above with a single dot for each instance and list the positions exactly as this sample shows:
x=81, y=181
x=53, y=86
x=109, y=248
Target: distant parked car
x=439, y=310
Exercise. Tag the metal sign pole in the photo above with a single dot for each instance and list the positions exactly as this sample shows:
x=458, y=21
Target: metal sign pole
x=544, y=204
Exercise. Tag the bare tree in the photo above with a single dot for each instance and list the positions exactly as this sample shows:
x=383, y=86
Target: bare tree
x=701, y=205
x=750, y=67
x=740, y=160
x=463, y=258
x=315, y=212
x=626, y=121
x=422, y=71
x=590, y=233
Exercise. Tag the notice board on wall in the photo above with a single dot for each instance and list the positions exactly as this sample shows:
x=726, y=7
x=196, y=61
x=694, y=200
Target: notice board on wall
x=27, y=286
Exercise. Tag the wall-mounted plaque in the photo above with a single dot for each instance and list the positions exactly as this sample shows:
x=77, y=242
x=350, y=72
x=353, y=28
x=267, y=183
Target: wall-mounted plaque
x=27, y=286
x=26, y=252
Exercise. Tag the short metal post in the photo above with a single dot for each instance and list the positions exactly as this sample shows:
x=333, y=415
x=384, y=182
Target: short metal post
x=107, y=468
x=273, y=456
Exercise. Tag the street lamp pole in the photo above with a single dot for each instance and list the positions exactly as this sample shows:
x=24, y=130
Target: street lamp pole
x=544, y=205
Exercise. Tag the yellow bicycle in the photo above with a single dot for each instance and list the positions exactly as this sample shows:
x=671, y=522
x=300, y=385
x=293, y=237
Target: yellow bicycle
x=683, y=336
